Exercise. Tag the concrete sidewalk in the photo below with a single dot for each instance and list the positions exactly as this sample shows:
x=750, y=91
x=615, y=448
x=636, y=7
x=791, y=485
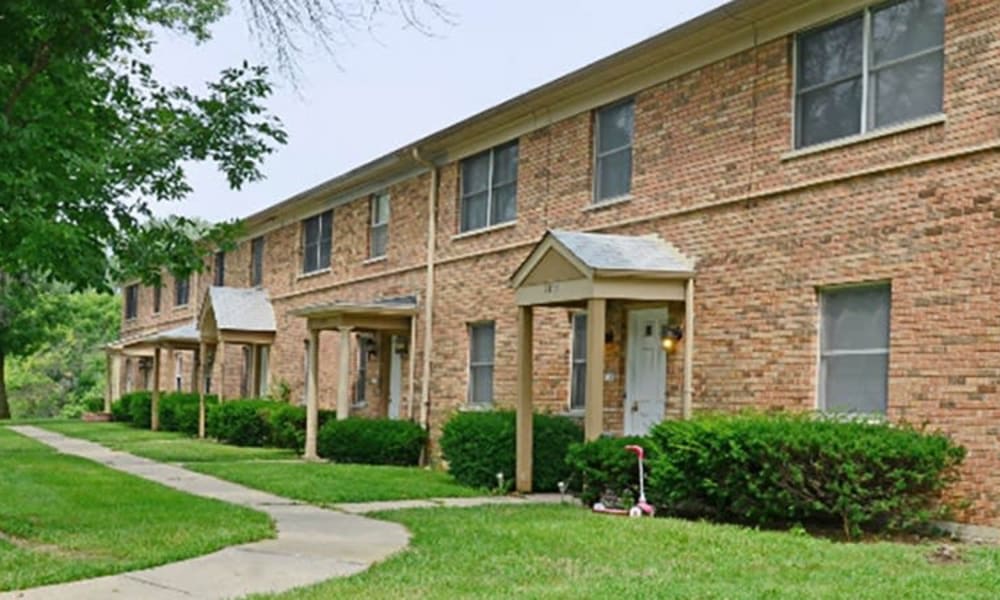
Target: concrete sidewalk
x=312, y=545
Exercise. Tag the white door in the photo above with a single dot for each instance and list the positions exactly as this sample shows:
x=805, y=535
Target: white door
x=395, y=380
x=646, y=371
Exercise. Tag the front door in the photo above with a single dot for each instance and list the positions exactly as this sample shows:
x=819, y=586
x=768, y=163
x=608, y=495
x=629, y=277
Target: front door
x=646, y=371
x=395, y=379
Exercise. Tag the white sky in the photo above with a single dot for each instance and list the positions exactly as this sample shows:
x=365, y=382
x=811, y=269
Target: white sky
x=387, y=90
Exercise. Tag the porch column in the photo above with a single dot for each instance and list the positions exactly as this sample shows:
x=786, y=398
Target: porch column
x=688, y=347
x=201, y=380
x=195, y=370
x=525, y=360
x=254, y=387
x=343, y=374
x=312, y=393
x=107, y=381
x=412, y=355
x=220, y=355
x=594, y=418
x=155, y=408
x=116, y=376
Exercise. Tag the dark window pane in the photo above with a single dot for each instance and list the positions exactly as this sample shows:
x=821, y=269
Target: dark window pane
x=906, y=28
x=257, y=261
x=578, y=393
x=614, y=126
x=580, y=337
x=380, y=239
x=830, y=53
x=614, y=175
x=482, y=344
x=856, y=318
x=481, y=388
x=474, y=211
x=505, y=164
x=855, y=383
x=908, y=90
x=830, y=113
x=504, y=204
x=220, y=268
x=157, y=298
x=476, y=174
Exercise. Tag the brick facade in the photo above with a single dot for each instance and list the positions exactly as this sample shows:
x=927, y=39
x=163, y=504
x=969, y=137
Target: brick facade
x=715, y=175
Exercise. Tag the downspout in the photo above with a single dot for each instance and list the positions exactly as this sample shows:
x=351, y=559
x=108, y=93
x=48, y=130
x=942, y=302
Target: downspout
x=425, y=375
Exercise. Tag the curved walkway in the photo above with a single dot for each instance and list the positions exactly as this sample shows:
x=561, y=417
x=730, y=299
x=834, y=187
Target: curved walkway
x=312, y=545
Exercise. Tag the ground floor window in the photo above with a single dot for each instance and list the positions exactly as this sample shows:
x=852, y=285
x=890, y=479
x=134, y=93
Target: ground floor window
x=365, y=345
x=578, y=363
x=854, y=349
x=179, y=373
x=481, y=352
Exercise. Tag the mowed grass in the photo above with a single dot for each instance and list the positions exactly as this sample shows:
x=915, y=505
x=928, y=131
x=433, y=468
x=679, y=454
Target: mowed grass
x=160, y=445
x=64, y=518
x=565, y=552
x=272, y=470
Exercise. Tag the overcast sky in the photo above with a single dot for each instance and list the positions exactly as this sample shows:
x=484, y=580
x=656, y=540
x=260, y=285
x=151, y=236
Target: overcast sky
x=387, y=90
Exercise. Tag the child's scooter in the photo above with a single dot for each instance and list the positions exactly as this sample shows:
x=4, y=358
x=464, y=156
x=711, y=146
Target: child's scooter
x=641, y=507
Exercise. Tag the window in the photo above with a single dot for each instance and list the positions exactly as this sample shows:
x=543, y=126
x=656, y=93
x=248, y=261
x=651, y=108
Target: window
x=257, y=261
x=578, y=376
x=854, y=349
x=380, y=224
x=489, y=188
x=132, y=301
x=317, y=236
x=157, y=299
x=182, y=288
x=613, y=150
x=365, y=343
x=481, y=339
x=877, y=68
x=179, y=373
x=220, y=269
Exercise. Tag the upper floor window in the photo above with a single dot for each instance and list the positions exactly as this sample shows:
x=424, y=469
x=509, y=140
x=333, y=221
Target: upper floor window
x=489, y=187
x=182, y=289
x=317, y=239
x=481, y=352
x=257, y=261
x=157, y=299
x=613, y=129
x=132, y=301
x=379, y=224
x=877, y=68
x=220, y=269
x=854, y=349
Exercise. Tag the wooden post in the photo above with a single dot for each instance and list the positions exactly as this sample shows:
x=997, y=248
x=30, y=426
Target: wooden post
x=411, y=350
x=688, y=349
x=155, y=408
x=525, y=414
x=594, y=417
x=220, y=357
x=107, y=381
x=312, y=393
x=343, y=375
x=201, y=380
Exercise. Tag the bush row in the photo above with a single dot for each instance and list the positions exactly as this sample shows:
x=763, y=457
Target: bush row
x=261, y=423
x=780, y=469
x=372, y=441
x=478, y=445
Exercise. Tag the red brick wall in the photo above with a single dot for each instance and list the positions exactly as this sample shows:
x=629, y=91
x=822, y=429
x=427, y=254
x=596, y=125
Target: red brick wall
x=713, y=175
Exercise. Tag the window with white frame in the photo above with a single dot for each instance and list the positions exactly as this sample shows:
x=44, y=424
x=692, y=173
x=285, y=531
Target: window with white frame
x=578, y=363
x=132, y=301
x=317, y=239
x=613, y=129
x=379, y=224
x=257, y=261
x=489, y=187
x=877, y=68
x=182, y=290
x=481, y=352
x=854, y=349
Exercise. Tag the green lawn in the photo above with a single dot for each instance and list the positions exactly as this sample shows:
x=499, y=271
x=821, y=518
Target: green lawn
x=564, y=552
x=64, y=518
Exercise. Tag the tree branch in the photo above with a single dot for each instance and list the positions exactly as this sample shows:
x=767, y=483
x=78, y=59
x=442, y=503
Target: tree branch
x=41, y=61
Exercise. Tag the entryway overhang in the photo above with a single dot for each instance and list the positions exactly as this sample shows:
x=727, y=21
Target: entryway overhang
x=385, y=316
x=585, y=270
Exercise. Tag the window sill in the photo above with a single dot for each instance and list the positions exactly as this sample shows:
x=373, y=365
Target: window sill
x=374, y=260
x=483, y=231
x=181, y=307
x=610, y=202
x=865, y=137
x=475, y=407
x=573, y=413
x=312, y=274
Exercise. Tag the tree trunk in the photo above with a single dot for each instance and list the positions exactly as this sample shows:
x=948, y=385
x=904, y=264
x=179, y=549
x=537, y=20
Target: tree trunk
x=4, y=406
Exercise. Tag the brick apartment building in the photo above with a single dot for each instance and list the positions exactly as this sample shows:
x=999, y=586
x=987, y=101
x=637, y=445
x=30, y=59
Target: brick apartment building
x=822, y=178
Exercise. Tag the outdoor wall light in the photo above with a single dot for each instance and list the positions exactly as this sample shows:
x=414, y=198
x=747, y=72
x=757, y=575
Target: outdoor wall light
x=670, y=337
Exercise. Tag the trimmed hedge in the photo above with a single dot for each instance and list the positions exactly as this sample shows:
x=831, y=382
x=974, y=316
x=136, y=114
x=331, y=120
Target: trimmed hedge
x=260, y=423
x=140, y=409
x=372, y=441
x=781, y=469
x=478, y=445
x=179, y=411
x=122, y=409
x=603, y=467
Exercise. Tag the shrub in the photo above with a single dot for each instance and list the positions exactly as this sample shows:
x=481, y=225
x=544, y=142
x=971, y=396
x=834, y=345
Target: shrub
x=288, y=425
x=603, y=467
x=94, y=404
x=777, y=469
x=372, y=441
x=179, y=411
x=240, y=422
x=139, y=405
x=122, y=409
x=478, y=445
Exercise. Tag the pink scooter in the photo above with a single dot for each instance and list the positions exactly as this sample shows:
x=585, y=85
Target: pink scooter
x=641, y=507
